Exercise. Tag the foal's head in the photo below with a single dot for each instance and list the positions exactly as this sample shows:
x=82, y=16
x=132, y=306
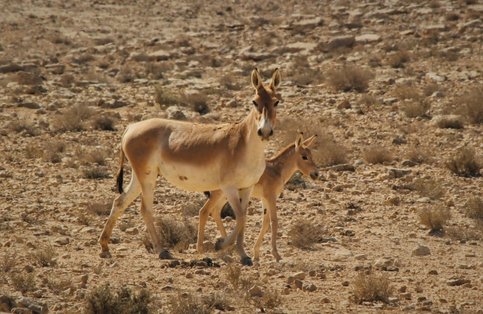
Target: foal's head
x=305, y=163
x=265, y=101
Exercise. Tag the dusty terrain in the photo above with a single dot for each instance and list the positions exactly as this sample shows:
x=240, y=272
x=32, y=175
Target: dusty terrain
x=72, y=70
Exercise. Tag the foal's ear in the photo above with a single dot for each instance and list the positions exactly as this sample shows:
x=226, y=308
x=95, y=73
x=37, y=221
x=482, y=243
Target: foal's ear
x=256, y=79
x=276, y=78
x=298, y=142
x=310, y=140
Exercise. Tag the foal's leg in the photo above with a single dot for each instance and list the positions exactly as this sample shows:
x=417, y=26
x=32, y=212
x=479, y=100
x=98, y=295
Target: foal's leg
x=208, y=207
x=118, y=206
x=263, y=230
x=272, y=211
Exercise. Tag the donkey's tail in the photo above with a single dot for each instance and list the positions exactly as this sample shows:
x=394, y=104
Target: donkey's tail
x=120, y=173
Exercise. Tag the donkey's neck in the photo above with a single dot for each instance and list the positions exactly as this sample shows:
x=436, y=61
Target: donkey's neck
x=284, y=163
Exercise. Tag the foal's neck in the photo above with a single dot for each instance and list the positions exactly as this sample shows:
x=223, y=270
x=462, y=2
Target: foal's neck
x=284, y=162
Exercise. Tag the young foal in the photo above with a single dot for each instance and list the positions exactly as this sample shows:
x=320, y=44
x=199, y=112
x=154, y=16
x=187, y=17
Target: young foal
x=197, y=157
x=278, y=171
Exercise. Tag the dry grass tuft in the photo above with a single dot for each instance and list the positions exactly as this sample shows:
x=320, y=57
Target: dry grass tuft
x=198, y=102
x=465, y=163
x=176, y=234
x=229, y=82
x=304, y=234
x=349, y=78
x=52, y=151
x=188, y=303
x=24, y=127
x=99, y=208
x=465, y=233
x=45, y=256
x=103, y=300
x=8, y=261
x=58, y=285
x=104, y=123
x=407, y=92
x=302, y=73
x=166, y=98
x=95, y=173
x=417, y=154
x=434, y=218
x=415, y=108
x=398, y=59
x=23, y=282
x=73, y=119
x=471, y=105
x=328, y=152
x=474, y=208
x=372, y=287
x=92, y=156
x=377, y=155
x=429, y=188
x=450, y=122
x=369, y=100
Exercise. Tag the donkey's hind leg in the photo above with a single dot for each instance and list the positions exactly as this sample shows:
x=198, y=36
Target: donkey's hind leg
x=118, y=206
x=147, y=187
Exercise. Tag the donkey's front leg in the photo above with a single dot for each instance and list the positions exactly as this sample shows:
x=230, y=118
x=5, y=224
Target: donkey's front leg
x=238, y=202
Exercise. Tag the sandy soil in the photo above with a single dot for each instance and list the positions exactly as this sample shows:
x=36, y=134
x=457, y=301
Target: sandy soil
x=69, y=70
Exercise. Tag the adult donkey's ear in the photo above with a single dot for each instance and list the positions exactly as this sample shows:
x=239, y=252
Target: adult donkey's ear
x=276, y=78
x=309, y=141
x=256, y=79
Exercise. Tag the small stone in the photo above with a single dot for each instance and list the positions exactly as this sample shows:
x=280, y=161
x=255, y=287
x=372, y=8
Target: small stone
x=62, y=241
x=56, y=68
x=360, y=257
x=342, y=167
x=435, y=77
x=6, y=303
x=457, y=282
x=33, y=305
x=309, y=287
x=345, y=283
x=421, y=251
x=433, y=272
x=132, y=230
x=298, y=283
x=398, y=173
x=367, y=38
x=308, y=23
x=341, y=41
x=408, y=163
x=407, y=295
x=28, y=268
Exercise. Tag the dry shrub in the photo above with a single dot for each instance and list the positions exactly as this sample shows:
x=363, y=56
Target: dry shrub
x=188, y=303
x=415, y=108
x=73, y=119
x=52, y=151
x=474, y=208
x=304, y=234
x=429, y=188
x=229, y=82
x=236, y=278
x=8, y=261
x=398, y=59
x=57, y=285
x=92, y=156
x=104, y=123
x=156, y=70
x=198, y=102
x=465, y=233
x=166, y=98
x=372, y=287
x=450, y=122
x=27, y=78
x=23, y=126
x=103, y=300
x=471, y=105
x=407, y=92
x=328, y=152
x=271, y=299
x=176, y=234
x=377, y=155
x=23, y=282
x=45, y=256
x=99, y=208
x=368, y=100
x=349, y=78
x=430, y=88
x=417, y=154
x=95, y=172
x=218, y=301
x=302, y=73
x=434, y=218
x=465, y=163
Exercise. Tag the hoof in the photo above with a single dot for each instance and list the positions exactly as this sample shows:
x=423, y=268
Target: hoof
x=246, y=261
x=165, y=254
x=219, y=244
x=105, y=254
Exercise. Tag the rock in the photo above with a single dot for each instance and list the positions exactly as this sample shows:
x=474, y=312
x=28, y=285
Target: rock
x=389, y=100
x=256, y=291
x=21, y=310
x=6, y=303
x=300, y=47
x=29, y=105
x=309, y=287
x=342, y=254
x=421, y=251
x=33, y=305
x=132, y=231
x=62, y=241
x=83, y=281
x=342, y=167
x=360, y=257
x=408, y=163
x=175, y=113
x=345, y=283
x=160, y=55
x=296, y=276
x=435, y=77
x=56, y=68
x=248, y=53
x=434, y=27
x=298, y=283
x=457, y=282
x=12, y=67
x=367, y=38
x=340, y=41
x=398, y=173
x=308, y=23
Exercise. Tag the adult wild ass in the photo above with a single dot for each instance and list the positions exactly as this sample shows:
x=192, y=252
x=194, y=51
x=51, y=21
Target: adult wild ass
x=197, y=157
x=279, y=169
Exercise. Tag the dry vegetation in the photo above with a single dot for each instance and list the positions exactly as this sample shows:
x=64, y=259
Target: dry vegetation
x=434, y=218
x=465, y=163
x=349, y=78
x=106, y=300
x=304, y=234
x=371, y=288
x=377, y=155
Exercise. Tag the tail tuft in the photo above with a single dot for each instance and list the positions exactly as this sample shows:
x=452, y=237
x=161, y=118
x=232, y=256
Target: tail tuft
x=120, y=174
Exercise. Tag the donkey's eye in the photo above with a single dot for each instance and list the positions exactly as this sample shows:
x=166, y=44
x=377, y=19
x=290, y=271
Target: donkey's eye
x=276, y=103
x=305, y=157
x=255, y=103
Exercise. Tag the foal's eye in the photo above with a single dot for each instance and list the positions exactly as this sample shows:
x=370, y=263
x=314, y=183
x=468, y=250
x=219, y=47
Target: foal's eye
x=276, y=103
x=305, y=157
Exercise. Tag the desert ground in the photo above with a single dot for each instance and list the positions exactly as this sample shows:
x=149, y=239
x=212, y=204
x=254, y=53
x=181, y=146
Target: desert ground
x=393, y=89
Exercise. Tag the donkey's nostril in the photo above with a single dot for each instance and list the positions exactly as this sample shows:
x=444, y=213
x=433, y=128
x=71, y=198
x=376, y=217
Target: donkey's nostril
x=259, y=132
x=271, y=132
